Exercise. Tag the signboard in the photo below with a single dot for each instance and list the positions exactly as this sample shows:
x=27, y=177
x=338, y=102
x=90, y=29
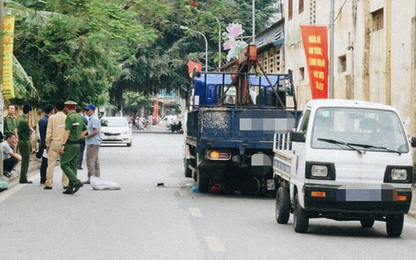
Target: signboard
x=315, y=43
x=8, y=30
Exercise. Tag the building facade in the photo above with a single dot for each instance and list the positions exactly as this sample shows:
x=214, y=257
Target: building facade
x=374, y=50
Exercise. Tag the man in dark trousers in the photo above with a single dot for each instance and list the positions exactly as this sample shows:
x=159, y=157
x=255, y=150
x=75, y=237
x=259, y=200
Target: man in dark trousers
x=10, y=158
x=43, y=125
x=82, y=140
x=74, y=128
x=24, y=131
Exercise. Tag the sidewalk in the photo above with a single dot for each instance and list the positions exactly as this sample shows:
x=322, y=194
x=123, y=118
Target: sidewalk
x=34, y=168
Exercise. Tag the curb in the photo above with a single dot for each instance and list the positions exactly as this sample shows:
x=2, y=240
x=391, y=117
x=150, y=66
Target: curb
x=34, y=168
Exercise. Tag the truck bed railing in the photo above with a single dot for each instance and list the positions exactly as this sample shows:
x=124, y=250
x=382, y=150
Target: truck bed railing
x=282, y=142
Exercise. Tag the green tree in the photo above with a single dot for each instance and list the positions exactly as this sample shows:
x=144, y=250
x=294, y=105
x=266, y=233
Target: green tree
x=163, y=65
x=76, y=55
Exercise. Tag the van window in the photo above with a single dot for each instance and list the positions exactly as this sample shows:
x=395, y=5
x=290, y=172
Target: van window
x=305, y=121
x=369, y=129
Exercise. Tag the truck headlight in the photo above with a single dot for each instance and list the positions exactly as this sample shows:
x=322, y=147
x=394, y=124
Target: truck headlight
x=319, y=170
x=398, y=174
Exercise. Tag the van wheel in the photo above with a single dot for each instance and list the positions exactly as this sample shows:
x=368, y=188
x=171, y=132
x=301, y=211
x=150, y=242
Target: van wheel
x=394, y=225
x=282, y=205
x=367, y=223
x=301, y=220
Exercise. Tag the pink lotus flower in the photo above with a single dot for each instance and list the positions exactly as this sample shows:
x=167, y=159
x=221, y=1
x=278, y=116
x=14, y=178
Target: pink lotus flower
x=227, y=45
x=235, y=29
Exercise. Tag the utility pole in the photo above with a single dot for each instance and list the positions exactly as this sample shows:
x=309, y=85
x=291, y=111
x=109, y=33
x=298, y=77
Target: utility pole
x=331, y=52
x=254, y=22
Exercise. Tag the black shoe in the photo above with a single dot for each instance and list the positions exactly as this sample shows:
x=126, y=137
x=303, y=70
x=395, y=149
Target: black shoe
x=7, y=174
x=68, y=191
x=78, y=186
x=47, y=188
x=66, y=187
x=26, y=182
x=79, y=167
x=87, y=182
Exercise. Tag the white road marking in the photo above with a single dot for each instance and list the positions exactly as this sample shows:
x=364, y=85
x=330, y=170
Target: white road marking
x=184, y=193
x=196, y=212
x=214, y=244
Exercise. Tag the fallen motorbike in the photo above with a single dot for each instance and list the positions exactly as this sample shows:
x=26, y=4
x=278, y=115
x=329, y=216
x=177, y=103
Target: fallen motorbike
x=176, y=127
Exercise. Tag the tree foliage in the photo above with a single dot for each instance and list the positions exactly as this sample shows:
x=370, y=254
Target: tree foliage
x=76, y=55
x=94, y=50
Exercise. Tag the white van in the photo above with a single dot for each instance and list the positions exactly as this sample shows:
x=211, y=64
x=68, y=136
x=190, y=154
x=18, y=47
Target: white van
x=347, y=160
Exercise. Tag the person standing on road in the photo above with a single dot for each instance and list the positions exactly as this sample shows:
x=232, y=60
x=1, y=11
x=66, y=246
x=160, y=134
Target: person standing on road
x=74, y=129
x=43, y=125
x=82, y=140
x=54, y=135
x=24, y=131
x=10, y=125
x=93, y=140
x=10, y=158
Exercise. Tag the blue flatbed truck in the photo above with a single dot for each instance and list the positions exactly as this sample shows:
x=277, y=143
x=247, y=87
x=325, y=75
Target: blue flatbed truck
x=230, y=126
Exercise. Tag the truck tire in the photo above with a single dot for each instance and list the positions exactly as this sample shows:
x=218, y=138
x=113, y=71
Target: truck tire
x=301, y=219
x=282, y=205
x=394, y=225
x=367, y=223
x=188, y=171
x=202, y=181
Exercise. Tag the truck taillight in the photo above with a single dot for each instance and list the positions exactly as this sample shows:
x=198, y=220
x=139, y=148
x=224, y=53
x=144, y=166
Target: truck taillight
x=219, y=155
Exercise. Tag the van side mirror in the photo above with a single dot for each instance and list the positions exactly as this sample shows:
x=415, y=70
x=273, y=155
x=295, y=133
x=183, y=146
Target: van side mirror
x=297, y=137
x=413, y=141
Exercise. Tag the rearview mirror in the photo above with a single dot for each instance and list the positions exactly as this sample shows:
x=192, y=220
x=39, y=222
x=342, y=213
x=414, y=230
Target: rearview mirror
x=297, y=137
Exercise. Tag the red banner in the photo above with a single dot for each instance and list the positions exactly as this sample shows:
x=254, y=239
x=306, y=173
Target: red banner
x=193, y=67
x=315, y=43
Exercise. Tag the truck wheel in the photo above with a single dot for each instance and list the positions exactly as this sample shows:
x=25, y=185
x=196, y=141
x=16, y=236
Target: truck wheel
x=301, y=220
x=394, y=225
x=188, y=171
x=367, y=223
x=282, y=205
x=202, y=181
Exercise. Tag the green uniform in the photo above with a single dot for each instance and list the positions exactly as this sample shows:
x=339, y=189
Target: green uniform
x=9, y=125
x=69, y=159
x=23, y=130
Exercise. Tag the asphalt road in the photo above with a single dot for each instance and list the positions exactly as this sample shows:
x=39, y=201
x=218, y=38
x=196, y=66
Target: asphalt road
x=144, y=221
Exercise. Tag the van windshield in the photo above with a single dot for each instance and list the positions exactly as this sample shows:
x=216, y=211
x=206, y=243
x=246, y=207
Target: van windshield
x=368, y=128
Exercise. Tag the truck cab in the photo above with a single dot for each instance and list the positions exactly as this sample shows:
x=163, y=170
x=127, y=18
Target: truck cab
x=347, y=160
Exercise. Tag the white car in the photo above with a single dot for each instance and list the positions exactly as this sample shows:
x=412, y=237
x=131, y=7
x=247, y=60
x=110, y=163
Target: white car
x=115, y=130
x=168, y=120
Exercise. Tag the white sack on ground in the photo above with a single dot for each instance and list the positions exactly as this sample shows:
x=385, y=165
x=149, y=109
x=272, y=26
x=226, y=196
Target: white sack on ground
x=100, y=184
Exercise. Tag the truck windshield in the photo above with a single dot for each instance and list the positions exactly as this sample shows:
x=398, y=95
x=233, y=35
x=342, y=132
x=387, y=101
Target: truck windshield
x=370, y=129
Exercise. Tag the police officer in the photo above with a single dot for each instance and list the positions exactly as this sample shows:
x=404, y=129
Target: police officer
x=74, y=128
x=24, y=131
